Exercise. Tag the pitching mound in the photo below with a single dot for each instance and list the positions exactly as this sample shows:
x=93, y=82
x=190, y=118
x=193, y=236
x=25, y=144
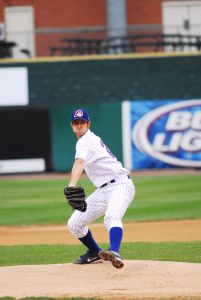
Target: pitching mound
x=147, y=279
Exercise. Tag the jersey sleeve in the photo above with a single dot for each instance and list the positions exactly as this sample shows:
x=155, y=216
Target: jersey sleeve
x=82, y=150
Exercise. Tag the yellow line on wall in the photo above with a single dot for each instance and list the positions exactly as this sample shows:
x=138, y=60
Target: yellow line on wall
x=99, y=57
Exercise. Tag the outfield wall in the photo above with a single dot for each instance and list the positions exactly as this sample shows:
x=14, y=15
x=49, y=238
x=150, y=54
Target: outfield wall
x=94, y=79
x=98, y=83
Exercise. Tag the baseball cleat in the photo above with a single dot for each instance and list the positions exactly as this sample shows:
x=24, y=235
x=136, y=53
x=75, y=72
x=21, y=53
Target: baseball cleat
x=113, y=257
x=87, y=258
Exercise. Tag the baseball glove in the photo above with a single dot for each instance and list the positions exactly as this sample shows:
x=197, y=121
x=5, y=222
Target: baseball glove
x=76, y=198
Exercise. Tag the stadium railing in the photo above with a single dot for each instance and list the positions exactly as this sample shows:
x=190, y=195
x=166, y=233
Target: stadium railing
x=128, y=44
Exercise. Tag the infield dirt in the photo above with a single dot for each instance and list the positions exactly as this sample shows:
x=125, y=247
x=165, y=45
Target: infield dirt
x=189, y=230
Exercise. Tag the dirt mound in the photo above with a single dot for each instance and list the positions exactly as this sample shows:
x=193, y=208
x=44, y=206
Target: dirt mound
x=137, y=279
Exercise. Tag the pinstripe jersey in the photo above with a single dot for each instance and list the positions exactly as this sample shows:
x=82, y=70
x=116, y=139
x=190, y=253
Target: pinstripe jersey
x=100, y=164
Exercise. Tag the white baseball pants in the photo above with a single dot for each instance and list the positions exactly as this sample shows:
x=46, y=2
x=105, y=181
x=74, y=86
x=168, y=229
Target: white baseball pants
x=111, y=201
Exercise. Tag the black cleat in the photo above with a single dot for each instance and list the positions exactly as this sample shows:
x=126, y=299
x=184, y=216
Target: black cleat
x=87, y=258
x=113, y=257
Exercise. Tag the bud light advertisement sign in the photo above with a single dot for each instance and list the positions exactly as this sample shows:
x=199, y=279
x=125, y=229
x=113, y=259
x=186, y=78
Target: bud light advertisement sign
x=166, y=134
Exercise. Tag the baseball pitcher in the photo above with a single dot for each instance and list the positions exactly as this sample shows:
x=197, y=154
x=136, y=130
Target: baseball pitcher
x=115, y=191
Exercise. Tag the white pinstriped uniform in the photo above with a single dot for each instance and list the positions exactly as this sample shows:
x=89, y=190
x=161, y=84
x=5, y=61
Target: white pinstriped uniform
x=111, y=200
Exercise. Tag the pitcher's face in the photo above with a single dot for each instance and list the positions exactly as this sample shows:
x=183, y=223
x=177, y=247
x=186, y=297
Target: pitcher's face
x=80, y=127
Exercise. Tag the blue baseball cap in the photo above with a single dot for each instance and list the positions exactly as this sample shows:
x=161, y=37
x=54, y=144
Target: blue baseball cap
x=80, y=114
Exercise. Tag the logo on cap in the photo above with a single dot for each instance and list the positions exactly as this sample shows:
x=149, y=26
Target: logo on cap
x=78, y=113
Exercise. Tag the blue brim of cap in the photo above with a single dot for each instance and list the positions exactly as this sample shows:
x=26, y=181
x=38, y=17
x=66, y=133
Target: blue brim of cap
x=79, y=118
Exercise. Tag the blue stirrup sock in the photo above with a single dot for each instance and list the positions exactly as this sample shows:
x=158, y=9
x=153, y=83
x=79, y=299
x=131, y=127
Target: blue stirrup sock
x=89, y=242
x=116, y=234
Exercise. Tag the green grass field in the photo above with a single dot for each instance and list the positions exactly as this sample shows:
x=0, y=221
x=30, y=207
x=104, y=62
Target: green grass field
x=55, y=254
x=31, y=201
x=25, y=202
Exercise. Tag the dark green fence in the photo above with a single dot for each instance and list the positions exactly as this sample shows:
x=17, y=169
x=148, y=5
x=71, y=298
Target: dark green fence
x=108, y=80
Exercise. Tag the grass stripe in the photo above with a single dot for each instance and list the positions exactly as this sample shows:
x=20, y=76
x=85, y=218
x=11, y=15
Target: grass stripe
x=59, y=254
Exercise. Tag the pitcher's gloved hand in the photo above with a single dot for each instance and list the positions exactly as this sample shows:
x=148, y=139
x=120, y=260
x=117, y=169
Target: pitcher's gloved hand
x=76, y=198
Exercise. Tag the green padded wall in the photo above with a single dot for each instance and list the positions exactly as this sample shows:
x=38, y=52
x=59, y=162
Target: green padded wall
x=105, y=121
x=107, y=80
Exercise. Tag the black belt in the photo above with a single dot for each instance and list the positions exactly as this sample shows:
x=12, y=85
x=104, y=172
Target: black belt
x=112, y=181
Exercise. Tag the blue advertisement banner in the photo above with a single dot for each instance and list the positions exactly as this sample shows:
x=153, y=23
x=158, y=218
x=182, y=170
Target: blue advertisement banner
x=166, y=134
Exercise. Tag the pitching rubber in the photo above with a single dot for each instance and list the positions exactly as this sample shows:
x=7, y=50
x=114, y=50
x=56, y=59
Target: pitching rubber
x=116, y=260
